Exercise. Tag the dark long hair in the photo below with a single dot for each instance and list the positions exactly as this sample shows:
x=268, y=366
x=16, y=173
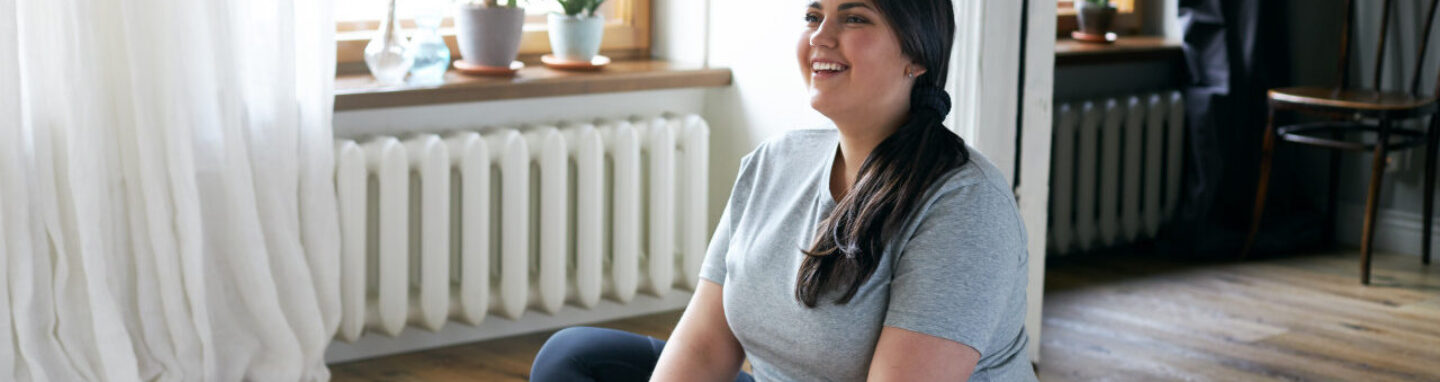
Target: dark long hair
x=893, y=179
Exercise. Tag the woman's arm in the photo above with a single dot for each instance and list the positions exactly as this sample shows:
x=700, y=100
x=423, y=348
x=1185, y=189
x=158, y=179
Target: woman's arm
x=903, y=355
x=957, y=289
x=701, y=348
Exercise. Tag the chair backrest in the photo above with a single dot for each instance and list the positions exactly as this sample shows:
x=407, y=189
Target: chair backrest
x=1424, y=48
x=1386, y=11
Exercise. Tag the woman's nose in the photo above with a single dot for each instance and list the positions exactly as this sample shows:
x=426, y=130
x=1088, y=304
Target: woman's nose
x=824, y=35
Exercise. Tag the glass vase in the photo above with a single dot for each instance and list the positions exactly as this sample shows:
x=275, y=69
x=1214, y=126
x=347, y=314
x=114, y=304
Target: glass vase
x=432, y=56
x=388, y=55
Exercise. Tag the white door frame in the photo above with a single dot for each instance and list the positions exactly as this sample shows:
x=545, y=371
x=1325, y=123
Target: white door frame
x=986, y=68
x=1033, y=188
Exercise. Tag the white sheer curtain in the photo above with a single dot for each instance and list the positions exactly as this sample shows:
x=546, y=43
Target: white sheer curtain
x=166, y=204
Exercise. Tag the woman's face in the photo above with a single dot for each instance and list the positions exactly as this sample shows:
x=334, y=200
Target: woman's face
x=851, y=58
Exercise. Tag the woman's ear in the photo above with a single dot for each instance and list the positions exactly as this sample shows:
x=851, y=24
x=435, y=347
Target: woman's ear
x=914, y=70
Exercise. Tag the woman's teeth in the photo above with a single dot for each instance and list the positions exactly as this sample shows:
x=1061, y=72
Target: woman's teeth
x=827, y=66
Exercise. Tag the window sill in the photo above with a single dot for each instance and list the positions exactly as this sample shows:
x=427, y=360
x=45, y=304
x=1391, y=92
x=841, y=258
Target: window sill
x=1125, y=23
x=359, y=91
x=1069, y=52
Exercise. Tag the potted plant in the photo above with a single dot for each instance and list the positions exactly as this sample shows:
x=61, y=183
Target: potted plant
x=575, y=36
x=1095, y=18
x=488, y=33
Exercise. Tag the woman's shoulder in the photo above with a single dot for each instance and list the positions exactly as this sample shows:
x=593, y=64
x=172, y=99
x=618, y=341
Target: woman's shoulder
x=974, y=200
x=976, y=191
x=976, y=176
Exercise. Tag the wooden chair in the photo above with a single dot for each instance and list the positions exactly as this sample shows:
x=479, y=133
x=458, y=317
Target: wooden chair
x=1357, y=110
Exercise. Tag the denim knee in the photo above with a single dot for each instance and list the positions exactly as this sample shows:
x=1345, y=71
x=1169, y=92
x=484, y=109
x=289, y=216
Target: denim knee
x=572, y=341
x=562, y=356
x=596, y=354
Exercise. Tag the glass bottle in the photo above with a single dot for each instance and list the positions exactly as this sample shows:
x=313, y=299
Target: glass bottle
x=432, y=56
x=388, y=55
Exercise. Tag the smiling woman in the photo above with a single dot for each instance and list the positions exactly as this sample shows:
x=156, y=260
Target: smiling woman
x=881, y=249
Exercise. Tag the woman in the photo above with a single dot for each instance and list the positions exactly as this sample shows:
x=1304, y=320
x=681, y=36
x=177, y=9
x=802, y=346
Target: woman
x=883, y=249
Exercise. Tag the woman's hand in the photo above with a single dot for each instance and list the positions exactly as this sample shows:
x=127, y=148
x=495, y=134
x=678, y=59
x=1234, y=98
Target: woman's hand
x=903, y=355
x=701, y=348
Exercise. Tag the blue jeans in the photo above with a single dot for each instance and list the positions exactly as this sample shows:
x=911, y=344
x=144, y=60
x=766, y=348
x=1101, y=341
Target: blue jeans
x=597, y=354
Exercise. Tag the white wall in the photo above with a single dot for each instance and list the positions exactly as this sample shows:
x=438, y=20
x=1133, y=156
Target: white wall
x=756, y=39
x=680, y=30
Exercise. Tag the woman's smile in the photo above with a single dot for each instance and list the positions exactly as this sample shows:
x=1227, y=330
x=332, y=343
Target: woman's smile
x=824, y=69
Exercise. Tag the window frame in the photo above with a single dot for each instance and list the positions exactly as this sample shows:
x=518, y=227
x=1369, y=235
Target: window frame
x=1128, y=20
x=626, y=37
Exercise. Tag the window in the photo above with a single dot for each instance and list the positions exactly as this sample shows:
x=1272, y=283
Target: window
x=627, y=28
x=1127, y=21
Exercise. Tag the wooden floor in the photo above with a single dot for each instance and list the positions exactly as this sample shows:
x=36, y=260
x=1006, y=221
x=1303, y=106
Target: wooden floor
x=1297, y=318
x=1143, y=319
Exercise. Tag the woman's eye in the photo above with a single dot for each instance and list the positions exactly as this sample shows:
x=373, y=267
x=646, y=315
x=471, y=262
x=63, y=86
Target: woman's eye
x=856, y=20
x=811, y=18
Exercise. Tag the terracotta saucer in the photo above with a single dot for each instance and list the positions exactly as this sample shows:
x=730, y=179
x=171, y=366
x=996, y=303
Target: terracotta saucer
x=482, y=70
x=596, y=63
x=1106, y=38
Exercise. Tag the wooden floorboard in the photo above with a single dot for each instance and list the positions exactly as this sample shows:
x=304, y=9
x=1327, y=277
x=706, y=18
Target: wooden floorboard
x=1292, y=318
x=1138, y=318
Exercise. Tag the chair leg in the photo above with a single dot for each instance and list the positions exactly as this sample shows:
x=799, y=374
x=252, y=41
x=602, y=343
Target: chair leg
x=1372, y=200
x=1431, y=139
x=1267, y=155
x=1333, y=195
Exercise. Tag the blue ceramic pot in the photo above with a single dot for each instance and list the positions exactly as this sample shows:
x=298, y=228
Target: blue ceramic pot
x=576, y=38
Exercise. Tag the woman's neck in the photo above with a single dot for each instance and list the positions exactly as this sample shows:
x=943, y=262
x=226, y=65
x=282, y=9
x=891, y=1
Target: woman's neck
x=859, y=137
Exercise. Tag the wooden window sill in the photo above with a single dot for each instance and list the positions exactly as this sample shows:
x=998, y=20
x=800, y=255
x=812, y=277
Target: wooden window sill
x=1125, y=49
x=359, y=91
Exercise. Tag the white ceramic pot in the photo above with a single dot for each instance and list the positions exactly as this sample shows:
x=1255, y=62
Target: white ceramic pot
x=576, y=38
x=489, y=36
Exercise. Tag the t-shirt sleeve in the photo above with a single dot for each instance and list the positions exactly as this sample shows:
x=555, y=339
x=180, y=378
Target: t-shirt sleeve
x=954, y=278
x=713, y=268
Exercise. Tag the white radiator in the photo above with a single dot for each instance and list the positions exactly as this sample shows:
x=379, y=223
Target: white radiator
x=467, y=225
x=1115, y=171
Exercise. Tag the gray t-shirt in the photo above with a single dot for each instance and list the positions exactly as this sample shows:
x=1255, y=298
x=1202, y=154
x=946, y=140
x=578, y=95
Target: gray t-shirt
x=956, y=270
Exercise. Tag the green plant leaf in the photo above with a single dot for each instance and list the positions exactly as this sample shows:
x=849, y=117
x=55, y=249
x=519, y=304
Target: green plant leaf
x=594, y=5
x=573, y=7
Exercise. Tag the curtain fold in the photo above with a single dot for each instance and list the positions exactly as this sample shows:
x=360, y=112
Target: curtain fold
x=1235, y=50
x=166, y=204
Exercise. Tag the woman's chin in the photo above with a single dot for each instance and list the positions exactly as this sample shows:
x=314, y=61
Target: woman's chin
x=820, y=102
x=818, y=106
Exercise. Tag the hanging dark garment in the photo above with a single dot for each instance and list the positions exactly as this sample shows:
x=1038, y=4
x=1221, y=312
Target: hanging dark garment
x=1235, y=51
